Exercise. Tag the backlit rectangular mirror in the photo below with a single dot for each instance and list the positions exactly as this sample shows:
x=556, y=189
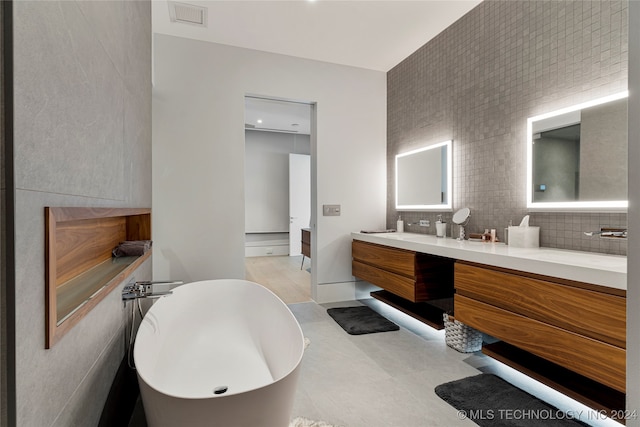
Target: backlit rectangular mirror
x=577, y=157
x=423, y=178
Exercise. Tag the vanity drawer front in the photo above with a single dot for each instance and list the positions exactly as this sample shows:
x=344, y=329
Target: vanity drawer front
x=394, y=283
x=599, y=361
x=586, y=312
x=398, y=261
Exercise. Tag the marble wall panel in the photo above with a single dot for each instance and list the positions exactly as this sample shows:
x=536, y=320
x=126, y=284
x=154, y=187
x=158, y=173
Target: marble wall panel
x=83, y=138
x=69, y=104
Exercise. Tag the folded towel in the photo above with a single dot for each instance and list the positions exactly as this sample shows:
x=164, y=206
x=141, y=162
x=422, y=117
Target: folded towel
x=131, y=248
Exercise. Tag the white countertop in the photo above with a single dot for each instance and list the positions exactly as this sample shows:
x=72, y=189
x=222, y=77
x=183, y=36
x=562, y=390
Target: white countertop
x=587, y=267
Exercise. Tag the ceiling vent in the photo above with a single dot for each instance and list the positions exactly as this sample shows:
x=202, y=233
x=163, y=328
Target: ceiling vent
x=188, y=14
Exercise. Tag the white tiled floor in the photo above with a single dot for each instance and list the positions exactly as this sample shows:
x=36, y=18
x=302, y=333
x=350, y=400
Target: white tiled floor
x=388, y=379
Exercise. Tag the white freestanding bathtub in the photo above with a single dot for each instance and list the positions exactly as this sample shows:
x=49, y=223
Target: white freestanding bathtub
x=212, y=336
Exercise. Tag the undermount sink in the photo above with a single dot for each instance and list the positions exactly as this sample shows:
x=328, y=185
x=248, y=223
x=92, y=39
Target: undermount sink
x=583, y=258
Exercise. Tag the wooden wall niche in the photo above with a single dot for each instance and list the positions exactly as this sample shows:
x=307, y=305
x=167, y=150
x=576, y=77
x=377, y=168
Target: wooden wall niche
x=80, y=270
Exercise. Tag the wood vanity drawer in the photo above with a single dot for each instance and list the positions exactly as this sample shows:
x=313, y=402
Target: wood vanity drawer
x=414, y=276
x=587, y=312
x=395, y=260
x=399, y=285
x=594, y=359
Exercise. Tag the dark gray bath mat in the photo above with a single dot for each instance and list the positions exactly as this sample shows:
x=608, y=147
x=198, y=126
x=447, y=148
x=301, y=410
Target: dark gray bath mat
x=491, y=401
x=361, y=320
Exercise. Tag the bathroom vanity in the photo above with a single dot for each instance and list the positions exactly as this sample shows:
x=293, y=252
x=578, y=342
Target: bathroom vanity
x=558, y=315
x=414, y=276
x=408, y=279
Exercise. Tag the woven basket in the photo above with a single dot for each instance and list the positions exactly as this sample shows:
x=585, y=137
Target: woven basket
x=461, y=337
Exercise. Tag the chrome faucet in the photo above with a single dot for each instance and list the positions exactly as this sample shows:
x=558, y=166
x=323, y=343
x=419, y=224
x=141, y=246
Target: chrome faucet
x=611, y=232
x=148, y=289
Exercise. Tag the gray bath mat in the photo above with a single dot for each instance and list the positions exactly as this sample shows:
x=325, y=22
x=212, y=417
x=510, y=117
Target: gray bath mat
x=490, y=401
x=361, y=320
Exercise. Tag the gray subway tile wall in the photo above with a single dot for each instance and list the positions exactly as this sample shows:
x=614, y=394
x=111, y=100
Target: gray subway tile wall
x=477, y=83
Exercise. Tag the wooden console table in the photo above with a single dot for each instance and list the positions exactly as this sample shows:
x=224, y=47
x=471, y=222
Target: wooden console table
x=306, y=245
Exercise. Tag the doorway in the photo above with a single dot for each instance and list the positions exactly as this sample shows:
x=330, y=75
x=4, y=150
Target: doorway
x=299, y=200
x=278, y=153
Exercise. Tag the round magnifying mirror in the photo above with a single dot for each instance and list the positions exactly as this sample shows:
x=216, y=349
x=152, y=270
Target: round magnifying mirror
x=461, y=216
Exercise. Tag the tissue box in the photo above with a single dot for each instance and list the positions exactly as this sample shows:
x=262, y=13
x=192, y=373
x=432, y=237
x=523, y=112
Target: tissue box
x=524, y=237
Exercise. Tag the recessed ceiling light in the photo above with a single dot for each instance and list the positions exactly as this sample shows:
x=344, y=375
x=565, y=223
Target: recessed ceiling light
x=259, y=120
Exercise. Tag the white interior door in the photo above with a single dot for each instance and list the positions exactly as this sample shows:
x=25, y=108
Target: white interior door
x=299, y=199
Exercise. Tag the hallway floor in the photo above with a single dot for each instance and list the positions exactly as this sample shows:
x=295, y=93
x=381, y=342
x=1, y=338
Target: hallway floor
x=388, y=379
x=282, y=275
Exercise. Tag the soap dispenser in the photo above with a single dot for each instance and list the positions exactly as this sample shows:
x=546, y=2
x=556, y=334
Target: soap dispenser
x=400, y=225
x=441, y=227
x=506, y=232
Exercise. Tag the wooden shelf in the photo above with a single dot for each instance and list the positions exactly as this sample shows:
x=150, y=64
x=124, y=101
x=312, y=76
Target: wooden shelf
x=80, y=270
x=578, y=387
x=75, y=293
x=423, y=311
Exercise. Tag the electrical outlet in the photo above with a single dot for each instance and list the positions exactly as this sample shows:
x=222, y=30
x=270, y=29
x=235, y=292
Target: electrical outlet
x=424, y=223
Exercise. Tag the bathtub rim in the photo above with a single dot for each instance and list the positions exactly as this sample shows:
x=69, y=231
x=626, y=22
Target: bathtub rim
x=283, y=377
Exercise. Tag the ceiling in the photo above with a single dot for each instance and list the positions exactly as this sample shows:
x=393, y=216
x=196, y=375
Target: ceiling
x=273, y=115
x=375, y=35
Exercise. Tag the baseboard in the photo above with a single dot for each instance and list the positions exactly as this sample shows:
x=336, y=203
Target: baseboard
x=334, y=292
x=364, y=289
x=277, y=247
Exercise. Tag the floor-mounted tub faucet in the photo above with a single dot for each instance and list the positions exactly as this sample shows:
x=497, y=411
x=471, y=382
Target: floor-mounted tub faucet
x=134, y=291
x=149, y=289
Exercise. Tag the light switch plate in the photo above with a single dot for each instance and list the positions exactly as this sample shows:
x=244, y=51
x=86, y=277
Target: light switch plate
x=330, y=210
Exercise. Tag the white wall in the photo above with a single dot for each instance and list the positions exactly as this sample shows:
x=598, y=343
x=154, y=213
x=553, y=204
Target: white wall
x=266, y=178
x=198, y=157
